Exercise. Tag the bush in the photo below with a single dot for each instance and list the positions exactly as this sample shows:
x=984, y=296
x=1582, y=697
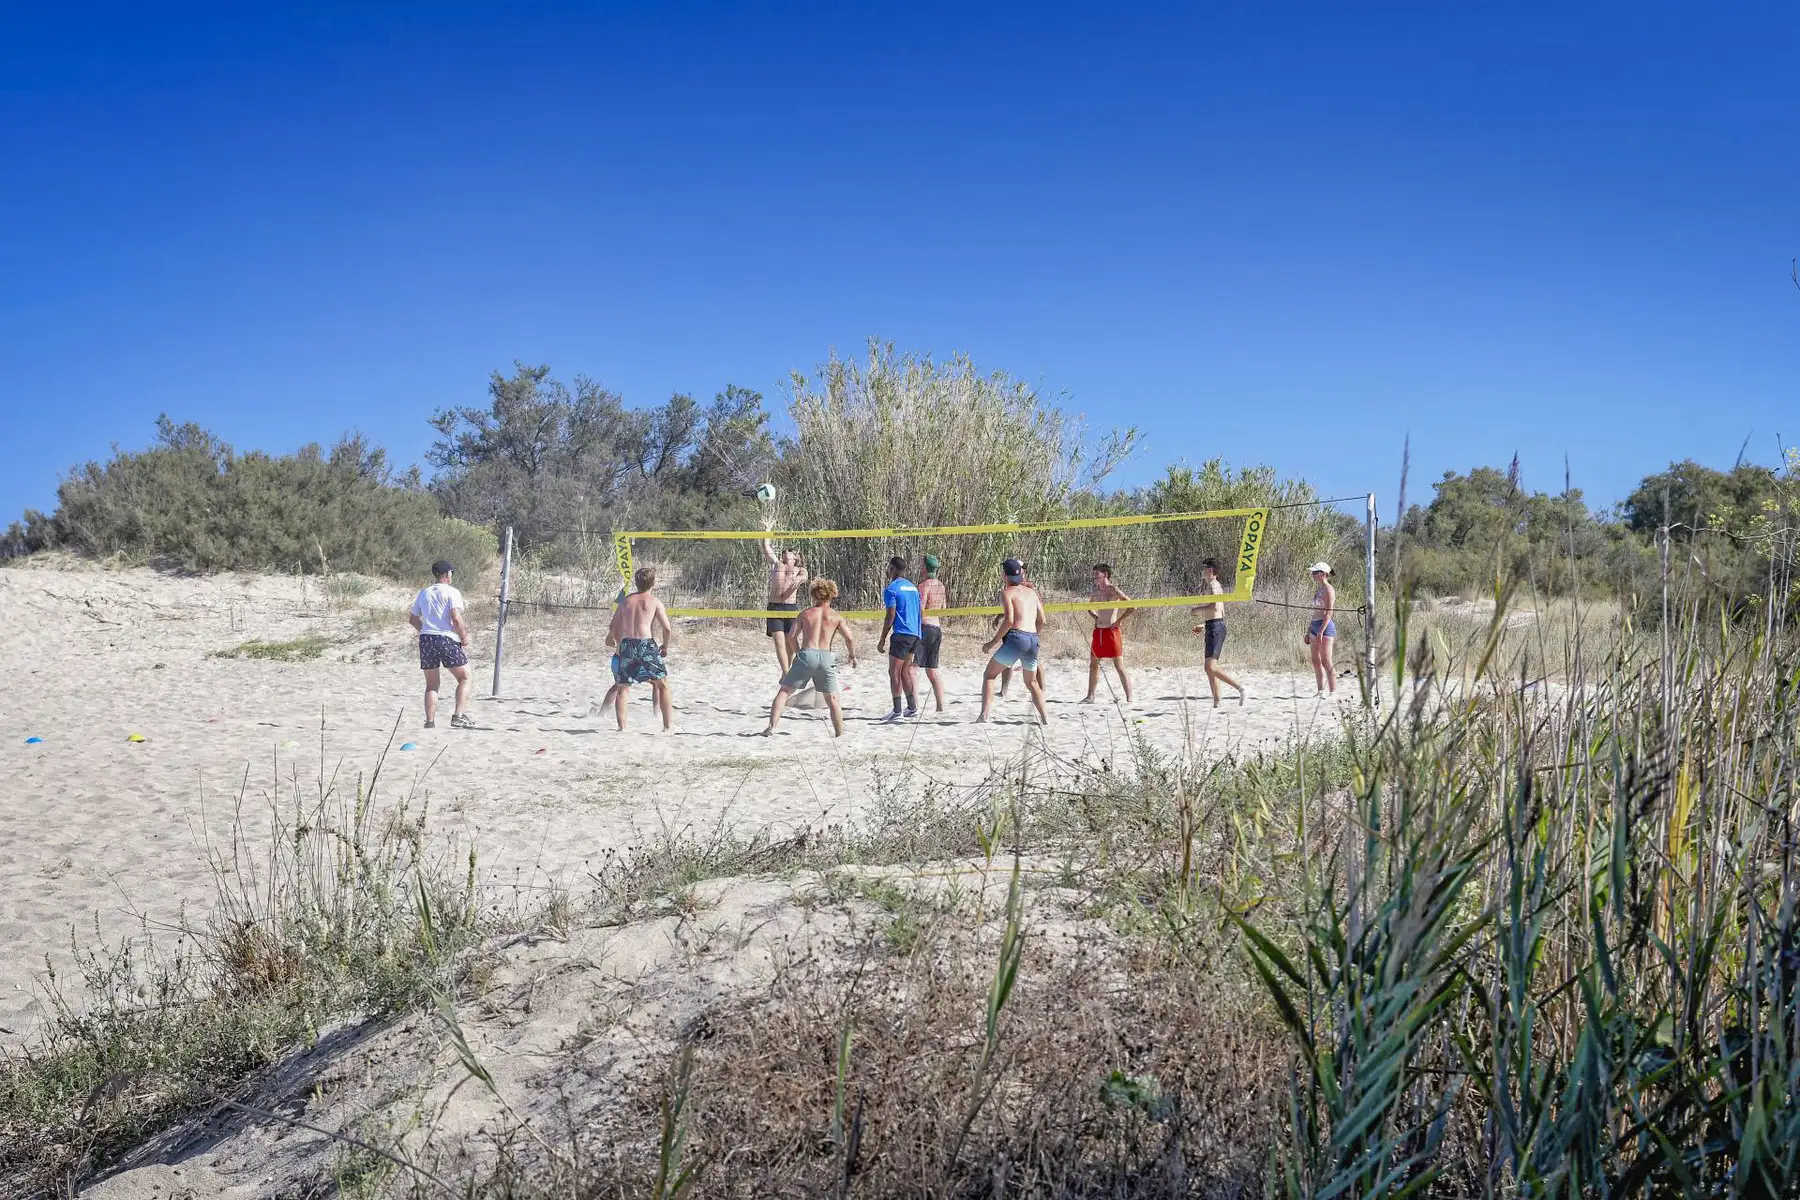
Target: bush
x=899, y=440
x=192, y=503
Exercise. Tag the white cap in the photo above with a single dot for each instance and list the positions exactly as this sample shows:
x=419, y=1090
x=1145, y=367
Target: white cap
x=1319, y=566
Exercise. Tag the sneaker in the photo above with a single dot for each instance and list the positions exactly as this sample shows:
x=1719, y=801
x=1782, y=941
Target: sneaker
x=891, y=717
x=460, y=721
x=910, y=713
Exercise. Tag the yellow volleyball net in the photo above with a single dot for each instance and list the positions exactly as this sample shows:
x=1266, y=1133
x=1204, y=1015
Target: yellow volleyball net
x=1156, y=558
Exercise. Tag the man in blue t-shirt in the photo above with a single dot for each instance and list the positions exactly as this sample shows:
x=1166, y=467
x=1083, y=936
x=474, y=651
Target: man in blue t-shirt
x=902, y=621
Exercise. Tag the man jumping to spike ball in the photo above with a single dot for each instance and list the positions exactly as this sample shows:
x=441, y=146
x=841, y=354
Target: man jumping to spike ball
x=634, y=625
x=787, y=571
x=1109, y=633
x=437, y=614
x=903, y=622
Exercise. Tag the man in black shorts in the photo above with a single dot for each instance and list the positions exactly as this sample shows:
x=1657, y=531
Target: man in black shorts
x=1212, y=616
x=787, y=571
x=902, y=600
x=931, y=642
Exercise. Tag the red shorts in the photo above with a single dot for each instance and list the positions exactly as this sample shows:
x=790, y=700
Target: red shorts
x=1108, y=642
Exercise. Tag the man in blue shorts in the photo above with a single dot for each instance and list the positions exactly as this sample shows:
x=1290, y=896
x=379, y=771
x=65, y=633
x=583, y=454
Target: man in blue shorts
x=1015, y=642
x=903, y=622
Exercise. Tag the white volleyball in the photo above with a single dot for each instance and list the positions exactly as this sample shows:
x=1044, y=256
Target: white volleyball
x=766, y=492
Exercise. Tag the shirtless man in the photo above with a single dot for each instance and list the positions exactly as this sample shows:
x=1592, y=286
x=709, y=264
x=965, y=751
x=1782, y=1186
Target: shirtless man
x=1015, y=642
x=787, y=571
x=640, y=659
x=1212, y=627
x=1109, y=633
x=931, y=646
x=812, y=658
x=1043, y=624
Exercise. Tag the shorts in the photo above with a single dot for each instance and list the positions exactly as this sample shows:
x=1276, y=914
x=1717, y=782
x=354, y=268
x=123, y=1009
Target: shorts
x=903, y=646
x=1018, y=649
x=1215, y=637
x=817, y=667
x=617, y=673
x=1330, y=629
x=440, y=650
x=782, y=625
x=640, y=661
x=1109, y=642
x=931, y=647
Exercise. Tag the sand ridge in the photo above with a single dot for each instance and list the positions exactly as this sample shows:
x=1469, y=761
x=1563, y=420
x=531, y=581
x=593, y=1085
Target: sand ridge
x=98, y=833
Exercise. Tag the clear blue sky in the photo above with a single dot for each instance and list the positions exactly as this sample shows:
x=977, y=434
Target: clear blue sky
x=1290, y=234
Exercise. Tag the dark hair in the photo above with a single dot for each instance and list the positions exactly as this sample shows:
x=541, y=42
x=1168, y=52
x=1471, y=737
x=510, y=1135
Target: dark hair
x=898, y=563
x=1210, y=562
x=1103, y=569
x=441, y=568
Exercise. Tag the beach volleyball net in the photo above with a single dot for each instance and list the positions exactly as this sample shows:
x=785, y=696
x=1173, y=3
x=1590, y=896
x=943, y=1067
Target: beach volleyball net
x=1156, y=558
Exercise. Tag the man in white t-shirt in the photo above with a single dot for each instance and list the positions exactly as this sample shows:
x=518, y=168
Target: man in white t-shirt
x=443, y=639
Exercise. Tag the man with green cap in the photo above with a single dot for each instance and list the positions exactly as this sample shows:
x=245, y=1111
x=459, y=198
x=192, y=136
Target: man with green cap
x=931, y=644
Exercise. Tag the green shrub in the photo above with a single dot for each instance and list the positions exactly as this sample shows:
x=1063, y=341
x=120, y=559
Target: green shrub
x=192, y=503
x=302, y=649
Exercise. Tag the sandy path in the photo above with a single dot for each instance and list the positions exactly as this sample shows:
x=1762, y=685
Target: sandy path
x=95, y=829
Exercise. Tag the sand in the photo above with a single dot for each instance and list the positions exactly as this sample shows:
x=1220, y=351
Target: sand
x=105, y=836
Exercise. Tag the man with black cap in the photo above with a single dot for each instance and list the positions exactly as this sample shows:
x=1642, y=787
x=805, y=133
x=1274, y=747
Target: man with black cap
x=1015, y=642
x=443, y=642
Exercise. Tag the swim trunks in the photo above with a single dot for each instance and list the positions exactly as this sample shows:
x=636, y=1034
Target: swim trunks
x=617, y=674
x=1330, y=628
x=436, y=650
x=1215, y=637
x=817, y=667
x=775, y=625
x=1018, y=649
x=640, y=661
x=903, y=646
x=931, y=647
x=1109, y=642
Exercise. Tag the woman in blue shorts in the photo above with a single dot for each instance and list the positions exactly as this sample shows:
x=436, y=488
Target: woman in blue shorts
x=1322, y=629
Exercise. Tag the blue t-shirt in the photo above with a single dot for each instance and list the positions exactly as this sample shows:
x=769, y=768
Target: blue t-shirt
x=903, y=598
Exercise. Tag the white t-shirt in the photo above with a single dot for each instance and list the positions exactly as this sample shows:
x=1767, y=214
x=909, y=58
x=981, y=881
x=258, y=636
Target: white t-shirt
x=433, y=609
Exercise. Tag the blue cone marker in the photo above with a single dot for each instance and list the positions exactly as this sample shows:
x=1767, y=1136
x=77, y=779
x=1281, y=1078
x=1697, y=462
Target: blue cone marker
x=32, y=741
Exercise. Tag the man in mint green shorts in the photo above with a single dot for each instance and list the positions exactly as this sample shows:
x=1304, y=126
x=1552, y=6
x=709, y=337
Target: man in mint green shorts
x=809, y=642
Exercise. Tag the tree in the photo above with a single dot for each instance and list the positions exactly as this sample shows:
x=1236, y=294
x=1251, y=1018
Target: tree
x=548, y=459
x=1687, y=495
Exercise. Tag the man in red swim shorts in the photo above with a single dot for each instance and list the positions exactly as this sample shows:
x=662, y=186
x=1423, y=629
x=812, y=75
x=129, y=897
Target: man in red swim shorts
x=1109, y=633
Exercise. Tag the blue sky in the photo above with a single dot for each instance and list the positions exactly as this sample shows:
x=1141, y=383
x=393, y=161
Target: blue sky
x=1292, y=234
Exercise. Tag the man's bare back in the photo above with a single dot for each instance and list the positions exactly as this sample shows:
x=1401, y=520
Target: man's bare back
x=639, y=616
x=817, y=626
x=1024, y=607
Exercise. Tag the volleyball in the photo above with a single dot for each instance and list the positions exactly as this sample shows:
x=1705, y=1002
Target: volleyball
x=766, y=492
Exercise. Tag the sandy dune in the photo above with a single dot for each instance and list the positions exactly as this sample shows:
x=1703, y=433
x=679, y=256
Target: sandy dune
x=97, y=831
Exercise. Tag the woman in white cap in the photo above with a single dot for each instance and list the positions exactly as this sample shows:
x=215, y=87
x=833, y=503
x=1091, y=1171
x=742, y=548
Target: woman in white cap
x=1322, y=629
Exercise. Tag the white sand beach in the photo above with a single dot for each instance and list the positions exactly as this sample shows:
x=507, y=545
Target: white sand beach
x=101, y=833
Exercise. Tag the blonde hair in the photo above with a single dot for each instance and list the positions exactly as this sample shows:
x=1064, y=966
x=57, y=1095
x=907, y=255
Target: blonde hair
x=645, y=578
x=822, y=591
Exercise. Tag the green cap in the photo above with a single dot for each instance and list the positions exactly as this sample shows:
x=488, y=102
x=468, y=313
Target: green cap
x=931, y=564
